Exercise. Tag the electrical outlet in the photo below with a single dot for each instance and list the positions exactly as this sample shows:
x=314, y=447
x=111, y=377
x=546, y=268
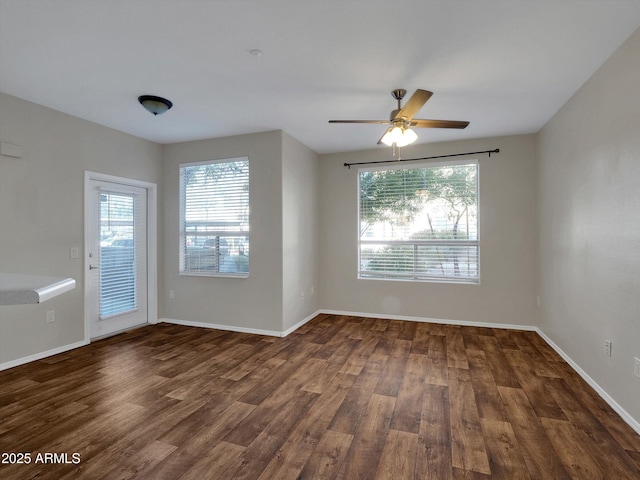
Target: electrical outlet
x=302, y=294
x=74, y=252
x=607, y=347
x=636, y=366
x=171, y=294
x=51, y=316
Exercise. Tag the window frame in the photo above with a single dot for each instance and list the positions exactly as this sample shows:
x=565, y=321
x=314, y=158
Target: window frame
x=183, y=234
x=421, y=278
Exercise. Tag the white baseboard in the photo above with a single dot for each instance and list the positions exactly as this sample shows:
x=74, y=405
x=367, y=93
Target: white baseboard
x=463, y=323
x=230, y=328
x=633, y=423
x=301, y=323
x=41, y=355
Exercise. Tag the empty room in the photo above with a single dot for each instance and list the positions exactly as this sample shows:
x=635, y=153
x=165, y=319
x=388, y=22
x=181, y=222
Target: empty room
x=319, y=239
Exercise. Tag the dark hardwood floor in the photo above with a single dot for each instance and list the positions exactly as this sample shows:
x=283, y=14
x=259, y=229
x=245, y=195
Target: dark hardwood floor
x=340, y=398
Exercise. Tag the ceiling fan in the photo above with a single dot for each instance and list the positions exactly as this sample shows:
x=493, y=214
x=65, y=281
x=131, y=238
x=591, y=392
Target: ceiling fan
x=401, y=119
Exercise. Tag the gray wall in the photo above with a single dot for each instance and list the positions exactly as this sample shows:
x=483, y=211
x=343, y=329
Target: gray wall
x=508, y=285
x=590, y=226
x=254, y=302
x=41, y=212
x=300, y=232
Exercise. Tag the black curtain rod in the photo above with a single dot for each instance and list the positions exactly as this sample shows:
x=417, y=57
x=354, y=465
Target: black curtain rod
x=489, y=152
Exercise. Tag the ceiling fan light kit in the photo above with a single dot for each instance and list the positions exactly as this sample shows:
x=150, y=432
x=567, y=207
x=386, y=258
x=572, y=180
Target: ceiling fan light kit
x=155, y=105
x=399, y=134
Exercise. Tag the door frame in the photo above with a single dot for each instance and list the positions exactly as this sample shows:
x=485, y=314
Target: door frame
x=152, y=243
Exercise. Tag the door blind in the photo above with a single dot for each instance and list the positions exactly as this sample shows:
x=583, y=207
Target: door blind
x=118, y=292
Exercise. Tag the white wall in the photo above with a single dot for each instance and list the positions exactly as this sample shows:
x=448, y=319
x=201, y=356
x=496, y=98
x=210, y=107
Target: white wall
x=254, y=302
x=300, y=232
x=508, y=286
x=590, y=225
x=41, y=212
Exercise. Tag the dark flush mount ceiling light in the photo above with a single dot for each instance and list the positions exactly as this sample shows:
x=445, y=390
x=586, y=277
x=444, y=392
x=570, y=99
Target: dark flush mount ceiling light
x=155, y=105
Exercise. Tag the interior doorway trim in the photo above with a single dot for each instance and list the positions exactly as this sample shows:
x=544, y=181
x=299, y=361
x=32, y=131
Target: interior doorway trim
x=152, y=242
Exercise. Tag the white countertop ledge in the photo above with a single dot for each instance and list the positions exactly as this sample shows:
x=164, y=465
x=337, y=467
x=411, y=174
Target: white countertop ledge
x=19, y=289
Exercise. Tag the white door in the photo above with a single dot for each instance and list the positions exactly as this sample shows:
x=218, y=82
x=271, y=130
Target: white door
x=116, y=257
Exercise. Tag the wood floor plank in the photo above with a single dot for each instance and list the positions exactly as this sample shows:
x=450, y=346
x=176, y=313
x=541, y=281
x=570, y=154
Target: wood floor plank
x=434, y=439
x=456, y=352
x=471, y=341
x=505, y=457
x=278, y=376
x=128, y=445
x=528, y=345
x=609, y=419
x=298, y=447
x=539, y=454
x=348, y=417
x=407, y=330
x=502, y=372
x=259, y=453
x=573, y=451
x=635, y=456
x=342, y=397
x=420, y=342
x=212, y=406
x=327, y=457
x=203, y=437
x=139, y=465
x=468, y=449
x=391, y=378
x=461, y=474
x=437, y=371
x=262, y=354
x=613, y=457
x=334, y=365
x=366, y=448
x=281, y=398
x=408, y=408
x=355, y=362
x=534, y=386
x=215, y=464
x=398, y=460
x=488, y=399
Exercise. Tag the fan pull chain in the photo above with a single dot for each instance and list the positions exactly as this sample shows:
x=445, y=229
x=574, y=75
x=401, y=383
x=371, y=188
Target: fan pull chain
x=395, y=150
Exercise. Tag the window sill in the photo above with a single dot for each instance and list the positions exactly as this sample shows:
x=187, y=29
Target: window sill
x=214, y=275
x=423, y=280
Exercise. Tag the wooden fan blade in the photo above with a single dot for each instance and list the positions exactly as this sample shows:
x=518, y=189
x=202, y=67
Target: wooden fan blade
x=361, y=121
x=415, y=103
x=438, y=124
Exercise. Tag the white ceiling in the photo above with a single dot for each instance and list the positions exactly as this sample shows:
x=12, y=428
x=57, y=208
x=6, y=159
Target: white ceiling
x=506, y=66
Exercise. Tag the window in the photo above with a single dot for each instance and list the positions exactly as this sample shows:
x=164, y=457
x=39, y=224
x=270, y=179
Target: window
x=214, y=218
x=419, y=223
x=119, y=225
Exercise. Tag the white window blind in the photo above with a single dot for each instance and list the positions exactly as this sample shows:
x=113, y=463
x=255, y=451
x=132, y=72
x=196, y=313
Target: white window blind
x=419, y=223
x=214, y=218
x=118, y=219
